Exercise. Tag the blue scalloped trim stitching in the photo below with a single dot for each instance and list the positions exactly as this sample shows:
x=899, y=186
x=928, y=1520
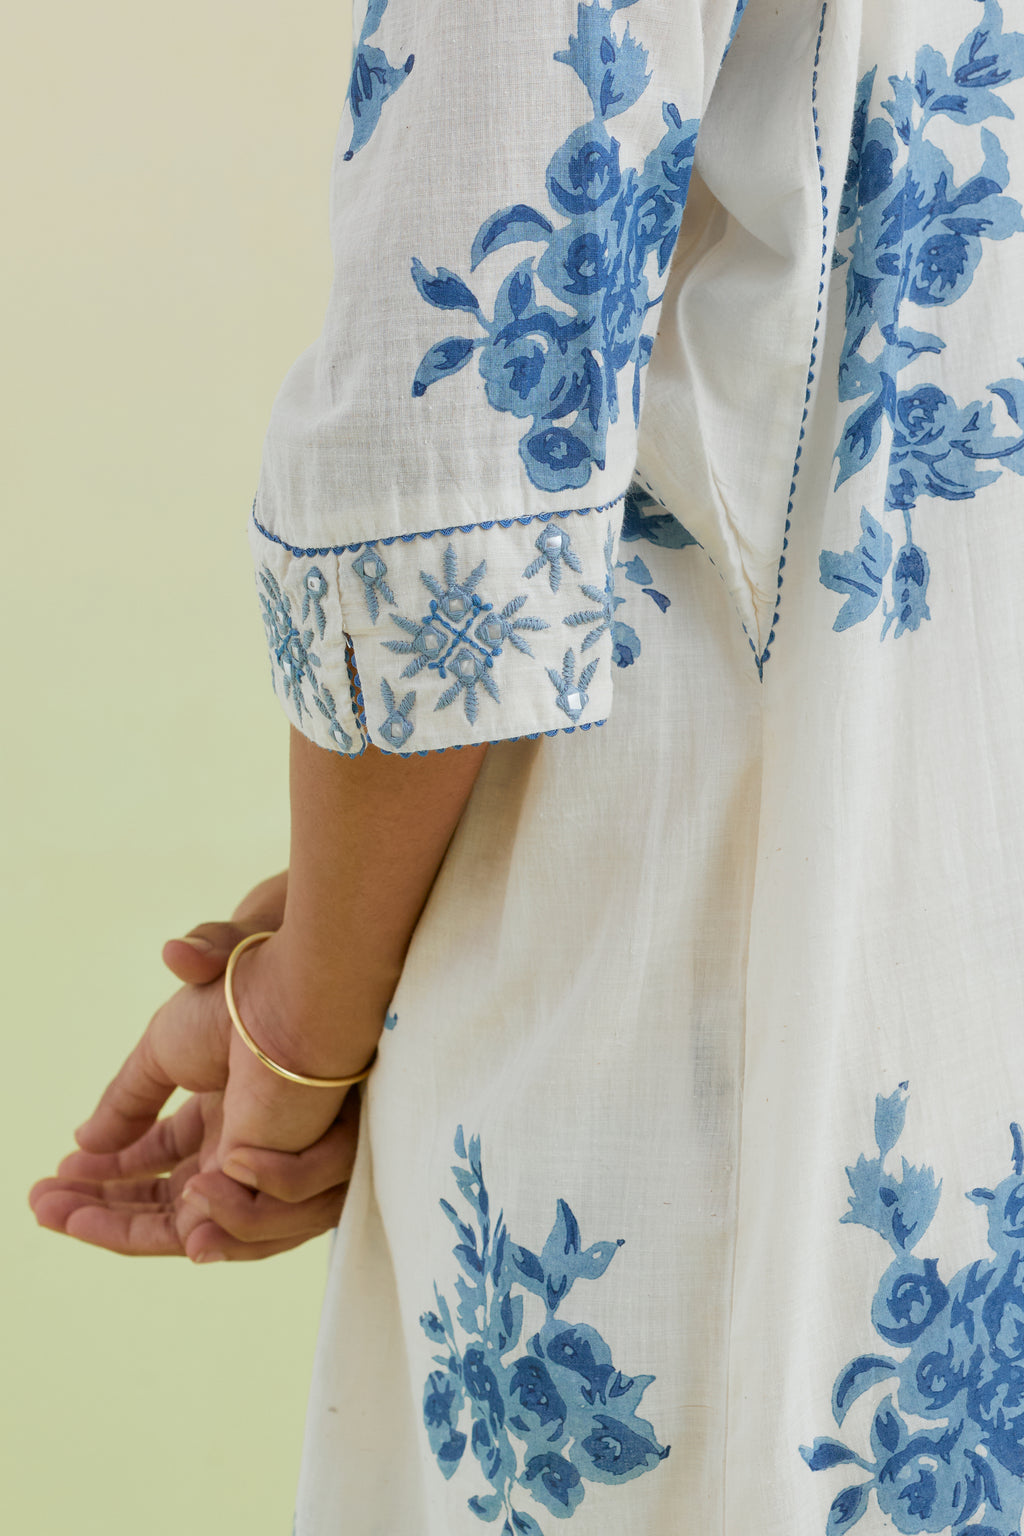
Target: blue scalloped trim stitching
x=407, y=538
x=814, y=340
x=355, y=688
x=560, y=730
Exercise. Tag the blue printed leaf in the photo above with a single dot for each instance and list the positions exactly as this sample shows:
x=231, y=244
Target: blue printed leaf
x=444, y=359
x=487, y=1506
x=846, y=1509
x=917, y=1200
x=520, y=222
x=858, y=573
x=528, y=1269
x=443, y=289
x=827, y=1453
x=562, y=1258
x=1011, y=393
x=469, y=1259
x=524, y=1524
x=613, y=73
x=890, y=1114
x=637, y=571
x=658, y=598
x=510, y=1316
x=855, y=1379
x=887, y=1427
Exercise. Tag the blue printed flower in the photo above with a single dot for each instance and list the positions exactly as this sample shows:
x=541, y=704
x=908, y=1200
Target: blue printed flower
x=963, y=1366
x=443, y=1398
x=615, y=1451
x=920, y=1482
x=536, y=1399
x=559, y=367
x=919, y=239
x=559, y=1414
x=554, y=1482
x=909, y=1299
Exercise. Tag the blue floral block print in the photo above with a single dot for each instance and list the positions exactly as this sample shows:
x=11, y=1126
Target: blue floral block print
x=373, y=80
x=961, y=1366
x=542, y=1416
x=919, y=240
x=603, y=225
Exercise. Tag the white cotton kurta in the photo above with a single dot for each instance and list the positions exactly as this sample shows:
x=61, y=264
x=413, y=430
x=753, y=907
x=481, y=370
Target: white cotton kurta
x=690, y=1191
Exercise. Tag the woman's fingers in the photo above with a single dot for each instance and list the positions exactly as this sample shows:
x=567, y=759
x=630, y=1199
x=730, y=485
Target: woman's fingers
x=159, y=1150
x=201, y=955
x=219, y=1245
x=185, y=1045
x=252, y=1218
x=146, y=1228
x=297, y=1176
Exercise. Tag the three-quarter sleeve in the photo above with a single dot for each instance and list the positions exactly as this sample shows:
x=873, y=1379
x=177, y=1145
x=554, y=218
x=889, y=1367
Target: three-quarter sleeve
x=435, y=530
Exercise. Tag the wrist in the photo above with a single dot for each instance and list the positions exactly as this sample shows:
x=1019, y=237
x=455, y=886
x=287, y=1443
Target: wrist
x=303, y=1017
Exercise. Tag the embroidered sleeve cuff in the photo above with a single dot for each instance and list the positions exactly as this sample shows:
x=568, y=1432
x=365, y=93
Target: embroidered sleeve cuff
x=463, y=635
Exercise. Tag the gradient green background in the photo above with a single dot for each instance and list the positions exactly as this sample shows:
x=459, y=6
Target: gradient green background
x=165, y=259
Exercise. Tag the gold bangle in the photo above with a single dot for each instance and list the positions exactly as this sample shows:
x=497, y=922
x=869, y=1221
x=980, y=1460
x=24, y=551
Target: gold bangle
x=293, y=1077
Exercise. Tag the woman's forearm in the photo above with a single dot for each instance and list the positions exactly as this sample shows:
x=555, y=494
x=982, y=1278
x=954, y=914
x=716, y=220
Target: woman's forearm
x=368, y=835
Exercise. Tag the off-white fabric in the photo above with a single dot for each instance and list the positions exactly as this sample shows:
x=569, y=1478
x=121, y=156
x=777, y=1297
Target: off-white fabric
x=690, y=1190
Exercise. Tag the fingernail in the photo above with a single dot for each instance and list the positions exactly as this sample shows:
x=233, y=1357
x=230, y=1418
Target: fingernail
x=209, y=1258
x=194, y=1198
x=240, y=1172
x=202, y=946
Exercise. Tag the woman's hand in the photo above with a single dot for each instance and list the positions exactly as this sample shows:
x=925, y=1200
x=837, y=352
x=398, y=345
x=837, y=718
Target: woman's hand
x=131, y=1198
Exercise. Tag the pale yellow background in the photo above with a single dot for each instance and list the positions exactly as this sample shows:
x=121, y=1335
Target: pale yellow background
x=164, y=259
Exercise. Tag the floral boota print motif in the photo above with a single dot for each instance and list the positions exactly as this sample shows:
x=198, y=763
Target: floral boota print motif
x=603, y=226
x=961, y=1361
x=919, y=237
x=542, y=1415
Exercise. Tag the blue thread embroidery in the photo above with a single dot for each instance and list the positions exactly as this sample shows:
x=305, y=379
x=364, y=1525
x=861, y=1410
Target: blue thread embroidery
x=543, y=364
x=964, y=1366
x=572, y=697
x=461, y=635
x=290, y=651
x=918, y=240
x=373, y=80
x=396, y=727
x=371, y=570
x=605, y=598
x=391, y=1019
x=555, y=546
x=314, y=590
x=573, y=1414
x=625, y=640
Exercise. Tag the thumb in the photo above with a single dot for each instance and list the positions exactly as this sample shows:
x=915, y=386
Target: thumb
x=202, y=954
